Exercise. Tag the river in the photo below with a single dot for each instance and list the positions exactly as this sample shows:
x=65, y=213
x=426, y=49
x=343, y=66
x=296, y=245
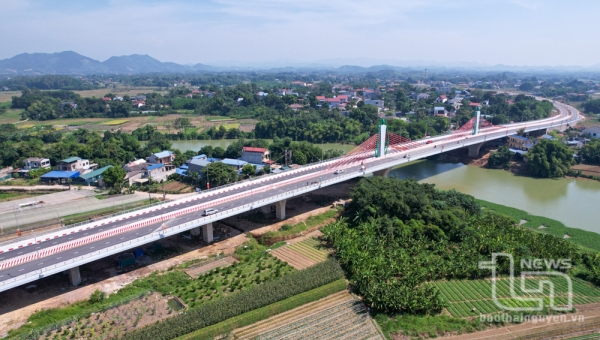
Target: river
x=567, y=200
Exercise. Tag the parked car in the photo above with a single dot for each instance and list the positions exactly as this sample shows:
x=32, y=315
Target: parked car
x=210, y=212
x=429, y=142
x=338, y=171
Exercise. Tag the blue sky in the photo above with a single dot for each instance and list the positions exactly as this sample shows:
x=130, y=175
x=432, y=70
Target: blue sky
x=228, y=32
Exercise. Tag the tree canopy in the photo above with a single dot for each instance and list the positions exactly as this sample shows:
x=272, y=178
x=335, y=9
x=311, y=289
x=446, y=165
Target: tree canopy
x=549, y=159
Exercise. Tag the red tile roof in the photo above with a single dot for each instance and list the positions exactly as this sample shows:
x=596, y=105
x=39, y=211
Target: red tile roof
x=105, y=98
x=252, y=149
x=333, y=100
x=475, y=104
x=320, y=97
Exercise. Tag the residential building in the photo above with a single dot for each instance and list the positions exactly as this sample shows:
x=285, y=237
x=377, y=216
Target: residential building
x=321, y=99
x=255, y=155
x=72, y=164
x=159, y=172
x=375, y=102
x=164, y=157
x=369, y=94
x=333, y=102
x=95, y=177
x=196, y=165
x=440, y=111
x=519, y=142
x=262, y=94
x=140, y=98
x=36, y=163
x=343, y=99
x=236, y=163
x=296, y=107
x=441, y=99
x=422, y=96
x=138, y=164
x=593, y=132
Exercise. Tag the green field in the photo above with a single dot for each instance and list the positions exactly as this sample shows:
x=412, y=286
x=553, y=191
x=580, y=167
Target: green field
x=473, y=297
x=231, y=126
x=309, y=248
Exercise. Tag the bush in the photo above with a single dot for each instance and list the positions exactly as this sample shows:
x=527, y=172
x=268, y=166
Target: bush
x=97, y=296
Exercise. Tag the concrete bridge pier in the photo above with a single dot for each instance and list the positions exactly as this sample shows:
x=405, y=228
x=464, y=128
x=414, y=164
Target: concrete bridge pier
x=207, y=233
x=474, y=150
x=382, y=172
x=75, y=276
x=280, y=209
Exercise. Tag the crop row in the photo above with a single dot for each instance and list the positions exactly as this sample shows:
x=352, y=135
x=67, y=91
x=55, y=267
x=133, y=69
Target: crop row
x=212, y=312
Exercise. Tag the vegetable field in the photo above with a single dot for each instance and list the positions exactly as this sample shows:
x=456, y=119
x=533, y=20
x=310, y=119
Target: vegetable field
x=338, y=316
x=473, y=297
x=302, y=254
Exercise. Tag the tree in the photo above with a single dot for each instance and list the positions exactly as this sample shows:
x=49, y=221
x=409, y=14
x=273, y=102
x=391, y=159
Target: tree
x=218, y=152
x=592, y=106
x=114, y=175
x=549, y=159
x=2, y=110
x=217, y=174
x=181, y=123
x=500, y=158
x=249, y=170
x=590, y=153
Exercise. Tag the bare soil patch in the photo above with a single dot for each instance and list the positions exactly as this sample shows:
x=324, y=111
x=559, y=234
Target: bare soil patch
x=202, y=268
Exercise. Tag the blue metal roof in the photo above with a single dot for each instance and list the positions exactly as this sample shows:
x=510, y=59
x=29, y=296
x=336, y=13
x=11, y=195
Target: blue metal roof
x=61, y=174
x=155, y=166
x=236, y=162
x=199, y=156
x=163, y=154
x=181, y=171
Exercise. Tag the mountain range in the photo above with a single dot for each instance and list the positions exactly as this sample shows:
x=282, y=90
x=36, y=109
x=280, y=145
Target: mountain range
x=72, y=63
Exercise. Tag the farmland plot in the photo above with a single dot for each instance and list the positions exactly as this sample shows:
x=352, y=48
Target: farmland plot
x=473, y=297
x=338, y=316
x=302, y=254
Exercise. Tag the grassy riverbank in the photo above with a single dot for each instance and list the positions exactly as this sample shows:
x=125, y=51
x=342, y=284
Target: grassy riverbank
x=586, y=239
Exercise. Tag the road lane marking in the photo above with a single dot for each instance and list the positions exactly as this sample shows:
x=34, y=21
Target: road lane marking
x=21, y=269
x=91, y=247
x=76, y=252
x=58, y=258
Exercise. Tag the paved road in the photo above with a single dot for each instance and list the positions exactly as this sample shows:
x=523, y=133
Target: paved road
x=257, y=191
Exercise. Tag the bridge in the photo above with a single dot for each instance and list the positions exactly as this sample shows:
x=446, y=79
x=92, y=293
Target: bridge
x=31, y=258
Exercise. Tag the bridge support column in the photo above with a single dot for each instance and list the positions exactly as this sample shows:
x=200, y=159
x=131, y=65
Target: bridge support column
x=207, y=233
x=75, y=276
x=474, y=150
x=280, y=209
x=382, y=172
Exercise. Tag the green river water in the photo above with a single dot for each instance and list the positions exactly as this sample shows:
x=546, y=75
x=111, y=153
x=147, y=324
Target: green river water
x=567, y=200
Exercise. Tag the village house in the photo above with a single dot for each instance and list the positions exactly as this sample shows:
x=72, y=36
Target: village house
x=164, y=157
x=36, y=163
x=593, y=132
x=441, y=99
x=375, y=102
x=255, y=155
x=73, y=164
x=519, y=142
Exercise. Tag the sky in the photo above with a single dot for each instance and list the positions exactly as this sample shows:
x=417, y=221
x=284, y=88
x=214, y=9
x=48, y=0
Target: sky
x=306, y=32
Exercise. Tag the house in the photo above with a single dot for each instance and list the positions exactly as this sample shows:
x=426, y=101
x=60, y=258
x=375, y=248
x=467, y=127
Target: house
x=262, y=94
x=301, y=83
x=474, y=105
x=139, y=98
x=296, y=107
x=139, y=104
x=197, y=164
x=164, y=157
x=375, y=102
x=62, y=177
x=548, y=137
x=136, y=165
x=36, y=163
x=422, y=96
x=440, y=111
x=158, y=172
x=441, y=99
x=456, y=102
x=189, y=95
x=236, y=163
x=369, y=94
x=94, y=177
x=106, y=99
x=593, y=132
x=519, y=142
x=343, y=99
x=283, y=92
x=321, y=99
x=239, y=101
x=333, y=102
x=69, y=104
x=118, y=98
x=72, y=164
x=209, y=94
x=255, y=155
